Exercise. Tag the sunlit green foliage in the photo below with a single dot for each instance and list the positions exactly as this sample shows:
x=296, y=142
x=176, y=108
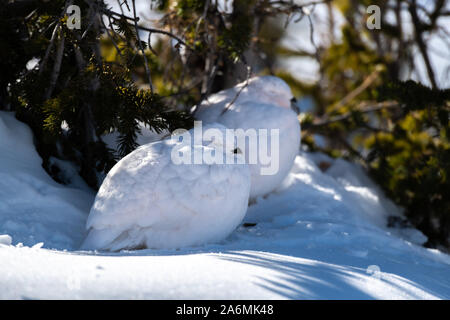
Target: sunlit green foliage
x=398, y=130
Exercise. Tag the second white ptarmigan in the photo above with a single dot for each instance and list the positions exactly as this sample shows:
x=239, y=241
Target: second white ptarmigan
x=264, y=102
x=149, y=201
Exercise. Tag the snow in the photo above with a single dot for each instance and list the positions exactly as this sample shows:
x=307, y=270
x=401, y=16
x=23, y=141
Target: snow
x=261, y=103
x=321, y=235
x=5, y=240
x=33, y=207
x=149, y=201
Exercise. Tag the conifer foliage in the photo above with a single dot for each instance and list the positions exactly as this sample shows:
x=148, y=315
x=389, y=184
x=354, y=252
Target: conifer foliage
x=73, y=95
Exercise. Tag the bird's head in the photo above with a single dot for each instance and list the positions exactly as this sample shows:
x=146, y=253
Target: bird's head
x=273, y=90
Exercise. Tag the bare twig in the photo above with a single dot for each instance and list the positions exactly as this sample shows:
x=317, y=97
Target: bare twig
x=118, y=16
x=167, y=33
x=364, y=107
x=120, y=6
x=287, y=7
x=311, y=38
x=249, y=72
x=418, y=34
x=149, y=44
x=111, y=37
x=356, y=92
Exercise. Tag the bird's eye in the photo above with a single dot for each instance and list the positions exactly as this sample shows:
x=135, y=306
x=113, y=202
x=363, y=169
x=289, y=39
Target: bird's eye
x=294, y=106
x=237, y=151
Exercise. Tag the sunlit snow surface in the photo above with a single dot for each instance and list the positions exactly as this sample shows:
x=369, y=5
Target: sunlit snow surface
x=321, y=236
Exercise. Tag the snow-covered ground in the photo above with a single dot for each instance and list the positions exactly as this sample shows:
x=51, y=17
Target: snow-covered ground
x=321, y=236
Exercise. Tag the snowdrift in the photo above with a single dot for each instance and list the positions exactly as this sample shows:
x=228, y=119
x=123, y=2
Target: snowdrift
x=321, y=235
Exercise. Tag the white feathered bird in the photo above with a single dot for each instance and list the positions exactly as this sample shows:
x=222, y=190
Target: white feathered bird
x=148, y=201
x=262, y=103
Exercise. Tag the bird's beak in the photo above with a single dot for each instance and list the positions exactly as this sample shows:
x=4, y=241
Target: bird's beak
x=294, y=106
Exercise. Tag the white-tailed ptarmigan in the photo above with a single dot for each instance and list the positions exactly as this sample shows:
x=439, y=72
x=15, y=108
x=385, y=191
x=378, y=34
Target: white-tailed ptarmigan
x=149, y=201
x=264, y=102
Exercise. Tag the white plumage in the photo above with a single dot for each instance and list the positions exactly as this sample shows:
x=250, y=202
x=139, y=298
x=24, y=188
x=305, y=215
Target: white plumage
x=263, y=103
x=147, y=201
